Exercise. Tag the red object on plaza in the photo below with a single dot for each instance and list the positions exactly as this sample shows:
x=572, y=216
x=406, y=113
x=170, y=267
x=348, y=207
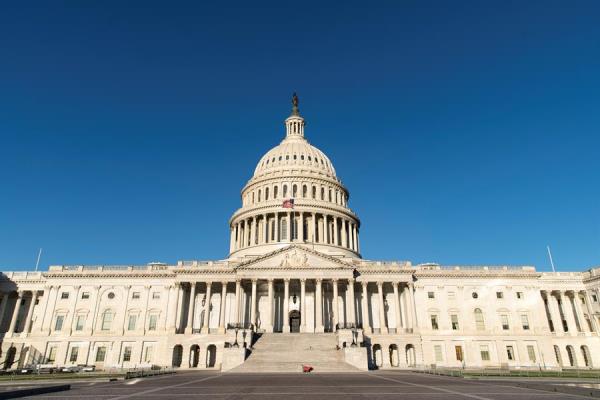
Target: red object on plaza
x=307, y=368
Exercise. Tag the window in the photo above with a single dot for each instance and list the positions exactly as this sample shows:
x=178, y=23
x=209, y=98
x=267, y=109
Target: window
x=485, y=352
x=148, y=354
x=267, y=194
x=59, y=322
x=434, y=322
x=135, y=295
x=52, y=354
x=520, y=295
x=80, y=322
x=531, y=353
x=85, y=295
x=504, y=319
x=127, y=354
x=294, y=191
x=275, y=192
x=74, y=353
x=454, y=320
x=451, y=295
x=304, y=191
x=459, y=353
x=107, y=318
x=111, y=295
x=479, y=322
x=156, y=295
x=438, y=353
x=152, y=322
x=314, y=192
x=101, y=354
x=510, y=353
x=284, y=190
x=64, y=295
x=475, y=295
x=525, y=321
x=430, y=295
x=499, y=295
x=131, y=322
x=595, y=298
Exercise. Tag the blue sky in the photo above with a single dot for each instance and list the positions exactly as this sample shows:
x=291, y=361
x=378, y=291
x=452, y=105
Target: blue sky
x=467, y=132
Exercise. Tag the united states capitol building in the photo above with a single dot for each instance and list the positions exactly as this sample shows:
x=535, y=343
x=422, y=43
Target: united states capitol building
x=295, y=289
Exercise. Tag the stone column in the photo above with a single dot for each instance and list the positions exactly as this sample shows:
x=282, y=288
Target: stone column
x=321, y=228
x=206, y=321
x=554, y=313
x=397, y=307
x=335, y=305
x=365, y=307
x=246, y=236
x=231, y=239
x=351, y=302
x=344, y=234
x=253, y=232
x=13, y=321
x=590, y=311
x=179, y=313
x=223, y=305
x=172, y=308
x=265, y=228
x=94, y=314
x=302, y=305
x=5, y=297
x=318, y=307
x=191, y=305
x=276, y=220
x=411, y=307
x=301, y=227
x=28, y=321
x=124, y=320
x=568, y=312
x=314, y=228
x=286, y=305
x=335, y=231
x=253, y=310
x=236, y=311
x=290, y=226
x=269, y=325
x=382, y=325
x=355, y=237
x=579, y=312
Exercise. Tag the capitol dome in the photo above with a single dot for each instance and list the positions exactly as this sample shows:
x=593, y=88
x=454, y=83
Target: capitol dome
x=294, y=196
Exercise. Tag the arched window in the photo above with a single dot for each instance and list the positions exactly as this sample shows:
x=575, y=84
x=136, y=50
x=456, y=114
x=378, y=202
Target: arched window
x=259, y=195
x=284, y=191
x=252, y=197
x=479, y=322
x=304, y=191
x=314, y=192
x=557, y=355
x=107, y=319
x=283, y=229
x=586, y=356
x=275, y=189
x=571, y=354
x=266, y=194
x=322, y=193
x=330, y=195
x=294, y=191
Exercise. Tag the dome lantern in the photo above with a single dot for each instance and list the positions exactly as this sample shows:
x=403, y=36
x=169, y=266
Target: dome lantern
x=294, y=124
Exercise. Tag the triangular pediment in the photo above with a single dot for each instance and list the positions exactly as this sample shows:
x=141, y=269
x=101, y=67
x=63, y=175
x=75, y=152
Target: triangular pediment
x=295, y=257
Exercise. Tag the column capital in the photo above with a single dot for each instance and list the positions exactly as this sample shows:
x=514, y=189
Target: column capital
x=286, y=280
x=254, y=280
x=379, y=283
x=224, y=283
x=318, y=280
x=270, y=280
x=364, y=284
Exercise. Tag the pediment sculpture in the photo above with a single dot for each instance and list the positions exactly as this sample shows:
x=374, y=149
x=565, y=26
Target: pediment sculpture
x=294, y=259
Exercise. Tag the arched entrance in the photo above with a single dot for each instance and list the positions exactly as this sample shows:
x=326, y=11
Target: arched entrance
x=211, y=356
x=394, y=361
x=411, y=359
x=294, y=321
x=177, y=355
x=194, y=355
x=10, y=357
x=377, y=356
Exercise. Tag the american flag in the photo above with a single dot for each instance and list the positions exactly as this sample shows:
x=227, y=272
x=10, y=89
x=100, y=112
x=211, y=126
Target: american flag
x=289, y=203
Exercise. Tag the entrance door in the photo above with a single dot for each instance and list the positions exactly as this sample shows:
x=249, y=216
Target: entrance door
x=295, y=321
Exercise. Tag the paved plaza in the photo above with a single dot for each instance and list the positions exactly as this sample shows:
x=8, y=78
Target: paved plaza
x=372, y=385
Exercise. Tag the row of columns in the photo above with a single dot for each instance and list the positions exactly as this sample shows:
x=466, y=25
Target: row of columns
x=574, y=319
x=322, y=229
x=15, y=314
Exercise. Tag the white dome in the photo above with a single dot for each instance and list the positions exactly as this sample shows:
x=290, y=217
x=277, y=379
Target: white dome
x=294, y=153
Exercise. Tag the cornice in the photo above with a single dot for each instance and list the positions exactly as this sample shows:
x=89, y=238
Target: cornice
x=274, y=206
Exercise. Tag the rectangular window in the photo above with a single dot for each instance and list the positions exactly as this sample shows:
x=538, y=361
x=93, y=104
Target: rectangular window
x=459, y=353
x=499, y=295
x=438, y=353
x=135, y=295
x=152, y=322
x=127, y=354
x=510, y=353
x=595, y=298
x=519, y=295
x=525, y=321
x=107, y=319
x=485, y=352
x=85, y=295
x=148, y=354
x=80, y=322
x=52, y=354
x=156, y=295
x=101, y=354
x=504, y=319
x=131, y=322
x=64, y=295
x=531, y=353
x=430, y=295
x=434, y=322
x=74, y=353
x=454, y=319
x=59, y=322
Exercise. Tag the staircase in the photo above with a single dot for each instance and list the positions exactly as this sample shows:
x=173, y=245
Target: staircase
x=277, y=352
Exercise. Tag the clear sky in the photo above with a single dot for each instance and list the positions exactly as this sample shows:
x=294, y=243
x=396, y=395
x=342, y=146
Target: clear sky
x=466, y=132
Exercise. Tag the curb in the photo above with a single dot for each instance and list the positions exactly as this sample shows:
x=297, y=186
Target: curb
x=11, y=394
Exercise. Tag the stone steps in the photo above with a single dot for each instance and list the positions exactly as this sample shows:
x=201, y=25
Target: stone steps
x=276, y=352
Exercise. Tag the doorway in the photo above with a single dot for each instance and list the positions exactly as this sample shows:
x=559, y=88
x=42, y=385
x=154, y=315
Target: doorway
x=295, y=321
